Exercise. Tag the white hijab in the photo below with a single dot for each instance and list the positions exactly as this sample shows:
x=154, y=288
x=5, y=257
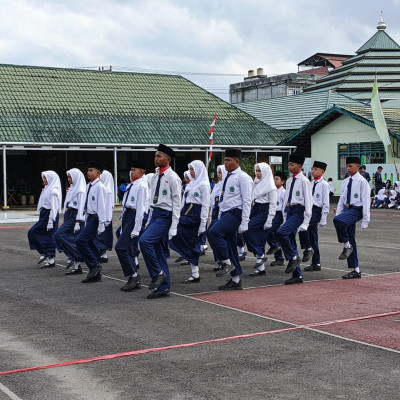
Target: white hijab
x=53, y=187
x=264, y=185
x=218, y=186
x=200, y=176
x=107, y=180
x=78, y=185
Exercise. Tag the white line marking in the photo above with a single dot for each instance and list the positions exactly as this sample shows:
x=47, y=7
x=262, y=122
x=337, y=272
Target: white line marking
x=9, y=393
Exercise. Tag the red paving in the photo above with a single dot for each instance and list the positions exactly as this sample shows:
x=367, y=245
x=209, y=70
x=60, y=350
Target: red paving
x=321, y=301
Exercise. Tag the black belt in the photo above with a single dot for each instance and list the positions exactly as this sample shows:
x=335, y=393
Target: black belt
x=294, y=205
x=130, y=209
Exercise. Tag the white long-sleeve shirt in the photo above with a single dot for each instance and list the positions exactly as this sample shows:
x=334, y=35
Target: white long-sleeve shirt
x=237, y=194
x=78, y=202
x=301, y=195
x=271, y=198
x=136, y=197
x=280, y=201
x=169, y=195
x=96, y=200
x=360, y=196
x=321, y=196
x=51, y=203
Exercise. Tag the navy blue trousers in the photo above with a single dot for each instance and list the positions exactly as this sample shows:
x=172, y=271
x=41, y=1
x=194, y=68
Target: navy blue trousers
x=309, y=238
x=223, y=238
x=65, y=232
x=187, y=242
x=39, y=238
x=214, y=219
x=286, y=234
x=86, y=242
x=154, y=245
x=256, y=236
x=345, y=224
x=126, y=247
x=240, y=240
x=271, y=236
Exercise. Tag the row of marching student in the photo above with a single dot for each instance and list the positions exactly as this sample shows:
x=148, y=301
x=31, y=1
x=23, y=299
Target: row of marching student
x=158, y=215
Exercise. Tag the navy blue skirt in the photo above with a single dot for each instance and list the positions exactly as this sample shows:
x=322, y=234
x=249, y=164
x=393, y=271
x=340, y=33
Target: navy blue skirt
x=187, y=242
x=40, y=238
x=256, y=236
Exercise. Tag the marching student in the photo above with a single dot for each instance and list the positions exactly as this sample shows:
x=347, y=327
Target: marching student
x=74, y=220
x=41, y=235
x=297, y=214
x=353, y=206
x=274, y=248
x=135, y=202
x=234, y=213
x=105, y=240
x=214, y=209
x=264, y=197
x=320, y=211
x=165, y=205
x=193, y=219
x=332, y=189
x=96, y=218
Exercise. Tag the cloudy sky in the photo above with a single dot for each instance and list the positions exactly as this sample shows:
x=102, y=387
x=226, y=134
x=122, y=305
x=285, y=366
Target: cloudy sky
x=211, y=42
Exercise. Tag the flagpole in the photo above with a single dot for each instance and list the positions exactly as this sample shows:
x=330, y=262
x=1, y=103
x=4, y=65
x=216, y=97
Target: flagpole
x=211, y=133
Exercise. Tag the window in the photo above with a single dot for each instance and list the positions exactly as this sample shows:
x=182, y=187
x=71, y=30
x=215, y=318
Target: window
x=292, y=90
x=368, y=152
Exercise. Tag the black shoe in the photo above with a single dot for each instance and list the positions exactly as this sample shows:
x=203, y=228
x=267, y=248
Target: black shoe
x=203, y=253
x=157, y=294
x=231, y=285
x=345, y=253
x=191, y=280
x=179, y=259
x=96, y=278
x=292, y=265
x=132, y=284
x=42, y=259
x=219, y=267
x=48, y=265
x=185, y=263
x=258, y=264
x=277, y=262
x=273, y=250
x=242, y=256
x=257, y=272
x=307, y=254
x=104, y=260
x=352, y=275
x=94, y=271
x=293, y=280
x=313, y=267
x=157, y=280
x=70, y=263
x=75, y=271
x=226, y=269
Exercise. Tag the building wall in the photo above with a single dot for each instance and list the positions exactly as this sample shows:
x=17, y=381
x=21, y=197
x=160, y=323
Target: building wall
x=342, y=130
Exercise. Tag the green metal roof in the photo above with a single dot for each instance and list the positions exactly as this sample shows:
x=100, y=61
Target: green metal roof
x=380, y=41
x=56, y=105
x=292, y=112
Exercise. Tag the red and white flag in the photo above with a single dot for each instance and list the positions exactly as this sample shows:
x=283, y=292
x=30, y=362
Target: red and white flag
x=211, y=133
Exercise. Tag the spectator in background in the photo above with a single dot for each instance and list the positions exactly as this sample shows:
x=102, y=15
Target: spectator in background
x=331, y=188
x=378, y=182
x=364, y=173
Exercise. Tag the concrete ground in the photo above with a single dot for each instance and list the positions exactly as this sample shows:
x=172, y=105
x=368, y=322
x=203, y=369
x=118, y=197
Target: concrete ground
x=324, y=339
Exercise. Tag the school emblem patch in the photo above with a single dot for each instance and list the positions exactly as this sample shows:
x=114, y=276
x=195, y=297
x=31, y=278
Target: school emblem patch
x=317, y=196
x=75, y=203
x=264, y=194
x=132, y=199
x=231, y=189
x=164, y=192
x=195, y=194
x=356, y=195
x=297, y=193
x=93, y=198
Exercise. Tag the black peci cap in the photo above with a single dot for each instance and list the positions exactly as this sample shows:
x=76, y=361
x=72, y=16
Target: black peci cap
x=233, y=153
x=320, y=164
x=297, y=158
x=167, y=150
x=138, y=164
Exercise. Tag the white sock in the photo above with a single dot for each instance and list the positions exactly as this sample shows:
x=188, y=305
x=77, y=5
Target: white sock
x=357, y=269
x=195, y=270
x=261, y=267
x=134, y=275
x=260, y=258
x=76, y=264
x=136, y=261
x=236, y=278
x=293, y=258
x=50, y=260
x=104, y=255
x=240, y=250
x=347, y=245
x=161, y=272
x=310, y=248
x=228, y=261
